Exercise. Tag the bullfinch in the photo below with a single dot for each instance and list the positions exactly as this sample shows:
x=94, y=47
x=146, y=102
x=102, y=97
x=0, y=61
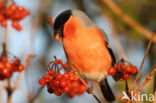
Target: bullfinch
x=86, y=47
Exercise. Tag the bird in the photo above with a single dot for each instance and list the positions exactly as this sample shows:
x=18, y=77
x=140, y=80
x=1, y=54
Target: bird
x=86, y=48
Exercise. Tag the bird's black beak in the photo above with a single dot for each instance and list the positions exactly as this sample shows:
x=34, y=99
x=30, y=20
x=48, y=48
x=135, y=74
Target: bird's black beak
x=56, y=35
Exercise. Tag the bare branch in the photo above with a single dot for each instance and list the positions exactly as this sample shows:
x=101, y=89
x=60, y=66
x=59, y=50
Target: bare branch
x=148, y=78
x=142, y=63
x=143, y=31
x=29, y=57
x=50, y=20
x=154, y=97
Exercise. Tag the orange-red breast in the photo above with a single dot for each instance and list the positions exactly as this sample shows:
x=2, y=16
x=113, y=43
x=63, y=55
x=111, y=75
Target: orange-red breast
x=86, y=47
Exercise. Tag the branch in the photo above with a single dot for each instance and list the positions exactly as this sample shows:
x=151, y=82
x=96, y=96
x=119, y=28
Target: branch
x=154, y=97
x=142, y=63
x=148, y=78
x=29, y=57
x=143, y=31
x=50, y=20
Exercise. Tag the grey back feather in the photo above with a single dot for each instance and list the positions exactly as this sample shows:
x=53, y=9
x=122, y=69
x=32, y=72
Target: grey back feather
x=88, y=22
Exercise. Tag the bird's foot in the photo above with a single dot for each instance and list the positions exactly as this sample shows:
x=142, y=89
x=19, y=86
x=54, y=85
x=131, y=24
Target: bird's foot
x=90, y=89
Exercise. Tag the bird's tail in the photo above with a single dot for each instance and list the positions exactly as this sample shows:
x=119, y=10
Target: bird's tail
x=106, y=91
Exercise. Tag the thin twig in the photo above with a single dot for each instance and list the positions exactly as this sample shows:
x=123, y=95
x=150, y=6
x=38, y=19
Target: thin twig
x=50, y=20
x=143, y=31
x=127, y=89
x=29, y=57
x=148, y=78
x=142, y=63
x=8, y=89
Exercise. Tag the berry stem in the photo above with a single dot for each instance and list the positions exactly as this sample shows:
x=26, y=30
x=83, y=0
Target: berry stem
x=142, y=63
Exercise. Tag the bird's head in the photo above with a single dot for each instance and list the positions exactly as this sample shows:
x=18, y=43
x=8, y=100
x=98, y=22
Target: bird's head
x=64, y=17
x=59, y=22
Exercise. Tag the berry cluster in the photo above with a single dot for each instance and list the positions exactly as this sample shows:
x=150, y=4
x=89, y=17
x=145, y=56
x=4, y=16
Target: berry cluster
x=14, y=13
x=58, y=83
x=122, y=70
x=7, y=68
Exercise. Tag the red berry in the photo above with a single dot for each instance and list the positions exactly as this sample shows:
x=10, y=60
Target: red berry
x=42, y=82
x=63, y=83
x=48, y=78
x=75, y=84
x=71, y=77
x=4, y=23
x=4, y=59
x=135, y=70
x=59, y=61
x=56, y=83
x=71, y=94
x=119, y=68
x=12, y=7
x=17, y=61
x=1, y=5
x=66, y=89
x=60, y=90
x=65, y=76
x=2, y=65
x=129, y=68
x=20, y=8
x=126, y=76
x=8, y=65
x=51, y=71
x=8, y=12
x=111, y=71
x=6, y=72
x=19, y=28
x=82, y=89
x=15, y=67
x=52, y=86
x=2, y=18
x=20, y=68
x=15, y=24
x=59, y=76
x=57, y=93
x=26, y=12
x=50, y=90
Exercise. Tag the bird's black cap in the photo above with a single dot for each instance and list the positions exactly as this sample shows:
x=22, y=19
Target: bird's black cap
x=60, y=21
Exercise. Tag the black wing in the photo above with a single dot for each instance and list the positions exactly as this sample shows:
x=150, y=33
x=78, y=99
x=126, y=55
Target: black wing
x=111, y=53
